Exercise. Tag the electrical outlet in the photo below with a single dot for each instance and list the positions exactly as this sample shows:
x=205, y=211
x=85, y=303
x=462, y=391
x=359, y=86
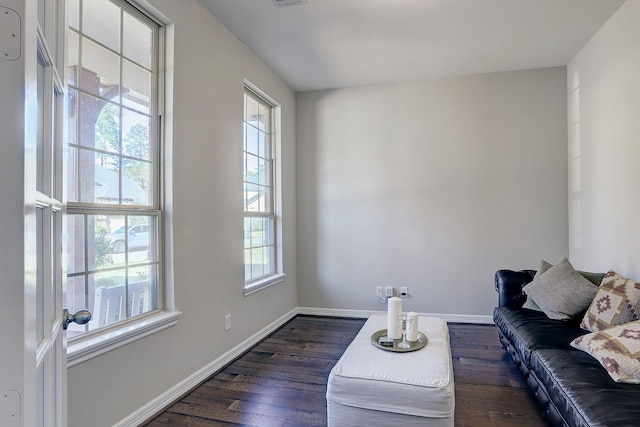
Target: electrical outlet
x=379, y=293
x=404, y=291
x=227, y=322
x=389, y=291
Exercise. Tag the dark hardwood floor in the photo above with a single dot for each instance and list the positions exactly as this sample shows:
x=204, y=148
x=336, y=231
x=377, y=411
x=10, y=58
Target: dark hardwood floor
x=282, y=380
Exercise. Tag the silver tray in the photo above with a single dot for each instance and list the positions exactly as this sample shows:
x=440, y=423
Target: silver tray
x=413, y=346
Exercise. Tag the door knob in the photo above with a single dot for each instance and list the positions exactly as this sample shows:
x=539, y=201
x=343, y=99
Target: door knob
x=80, y=317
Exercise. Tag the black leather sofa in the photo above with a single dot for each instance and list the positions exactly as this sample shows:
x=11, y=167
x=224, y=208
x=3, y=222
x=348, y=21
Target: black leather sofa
x=572, y=388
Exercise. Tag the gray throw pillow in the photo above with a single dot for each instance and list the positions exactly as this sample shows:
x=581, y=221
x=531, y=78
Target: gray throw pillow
x=594, y=278
x=561, y=292
x=530, y=303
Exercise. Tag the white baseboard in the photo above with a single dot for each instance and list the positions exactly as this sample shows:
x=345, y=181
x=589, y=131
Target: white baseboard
x=151, y=409
x=333, y=312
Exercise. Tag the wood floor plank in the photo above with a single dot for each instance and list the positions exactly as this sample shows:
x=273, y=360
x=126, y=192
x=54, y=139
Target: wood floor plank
x=282, y=381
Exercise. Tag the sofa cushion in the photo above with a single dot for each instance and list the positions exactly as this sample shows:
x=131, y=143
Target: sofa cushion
x=561, y=292
x=529, y=330
x=617, y=349
x=617, y=302
x=583, y=392
x=594, y=278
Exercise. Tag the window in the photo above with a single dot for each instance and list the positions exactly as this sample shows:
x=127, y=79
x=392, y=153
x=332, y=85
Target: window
x=114, y=216
x=261, y=250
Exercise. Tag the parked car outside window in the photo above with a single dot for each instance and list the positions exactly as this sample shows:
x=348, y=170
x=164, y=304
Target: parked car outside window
x=137, y=238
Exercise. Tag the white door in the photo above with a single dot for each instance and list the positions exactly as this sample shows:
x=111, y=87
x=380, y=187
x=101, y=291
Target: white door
x=33, y=360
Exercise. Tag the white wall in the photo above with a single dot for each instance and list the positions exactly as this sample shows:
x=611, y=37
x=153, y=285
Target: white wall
x=210, y=65
x=432, y=185
x=604, y=191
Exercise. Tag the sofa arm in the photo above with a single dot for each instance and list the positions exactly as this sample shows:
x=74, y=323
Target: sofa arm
x=509, y=286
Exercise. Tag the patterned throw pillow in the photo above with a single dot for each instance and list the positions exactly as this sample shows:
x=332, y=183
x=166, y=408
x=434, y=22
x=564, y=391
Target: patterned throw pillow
x=617, y=349
x=617, y=302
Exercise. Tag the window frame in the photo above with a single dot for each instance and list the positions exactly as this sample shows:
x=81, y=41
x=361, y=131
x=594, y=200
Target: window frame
x=275, y=214
x=104, y=339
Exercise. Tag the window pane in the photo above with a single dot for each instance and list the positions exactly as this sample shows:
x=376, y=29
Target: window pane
x=141, y=298
x=256, y=232
x=57, y=13
x=99, y=178
x=140, y=51
x=251, y=109
x=247, y=265
x=100, y=129
x=109, y=298
x=138, y=238
x=73, y=58
x=134, y=234
x=56, y=260
x=101, y=21
x=251, y=139
x=98, y=243
x=263, y=145
x=269, y=237
x=72, y=131
x=75, y=244
x=136, y=87
x=136, y=182
x=73, y=163
x=268, y=260
x=40, y=275
x=252, y=170
x=105, y=134
x=257, y=262
x=57, y=143
x=100, y=70
x=73, y=11
x=262, y=169
x=41, y=126
x=76, y=300
x=247, y=233
x=136, y=141
x=254, y=195
x=265, y=118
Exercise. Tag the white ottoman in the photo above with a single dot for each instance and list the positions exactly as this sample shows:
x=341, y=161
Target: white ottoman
x=373, y=387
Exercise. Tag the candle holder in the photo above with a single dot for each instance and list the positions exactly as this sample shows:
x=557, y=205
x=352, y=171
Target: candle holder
x=403, y=322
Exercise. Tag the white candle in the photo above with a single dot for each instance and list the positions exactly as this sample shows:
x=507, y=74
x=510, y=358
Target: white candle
x=412, y=326
x=394, y=309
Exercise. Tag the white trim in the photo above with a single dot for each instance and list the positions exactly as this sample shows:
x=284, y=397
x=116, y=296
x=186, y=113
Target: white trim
x=263, y=283
x=151, y=409
x=452, y=318
x=85, y=349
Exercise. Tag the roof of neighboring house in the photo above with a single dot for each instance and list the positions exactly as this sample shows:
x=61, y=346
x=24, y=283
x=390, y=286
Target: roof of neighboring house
x=107, y=188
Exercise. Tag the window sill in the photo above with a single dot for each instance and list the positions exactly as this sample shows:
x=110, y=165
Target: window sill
x=85, y=349
x=264, y=283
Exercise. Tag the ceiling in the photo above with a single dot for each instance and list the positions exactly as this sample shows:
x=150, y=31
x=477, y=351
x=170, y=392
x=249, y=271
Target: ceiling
x=338, y=43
